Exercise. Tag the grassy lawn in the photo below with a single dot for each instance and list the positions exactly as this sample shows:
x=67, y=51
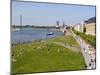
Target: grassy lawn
x=66, y=39
x=35, y=57
x=88, y=38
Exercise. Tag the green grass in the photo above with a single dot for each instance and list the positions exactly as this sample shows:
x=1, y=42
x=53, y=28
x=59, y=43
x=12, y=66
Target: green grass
x=36, y=58
x=88, y=38
x=66, y=39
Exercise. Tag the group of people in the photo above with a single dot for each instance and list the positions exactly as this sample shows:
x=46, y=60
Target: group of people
x=89, y=51
x=92, y=54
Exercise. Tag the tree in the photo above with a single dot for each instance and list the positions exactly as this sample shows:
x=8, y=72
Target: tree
x=84, y=30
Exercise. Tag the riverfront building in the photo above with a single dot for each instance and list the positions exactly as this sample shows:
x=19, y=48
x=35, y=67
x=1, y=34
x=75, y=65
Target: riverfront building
x=90, y=28
x=79, y=27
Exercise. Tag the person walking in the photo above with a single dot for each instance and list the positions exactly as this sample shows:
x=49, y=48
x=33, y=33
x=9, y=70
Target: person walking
x=89, y=67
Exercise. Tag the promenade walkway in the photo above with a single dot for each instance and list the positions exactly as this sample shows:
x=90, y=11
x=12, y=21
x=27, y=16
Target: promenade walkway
x=88, y=52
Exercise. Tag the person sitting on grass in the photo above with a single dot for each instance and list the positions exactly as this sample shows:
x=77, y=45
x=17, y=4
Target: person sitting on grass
x=48, y=50
x=85, y=66
x=12, y=54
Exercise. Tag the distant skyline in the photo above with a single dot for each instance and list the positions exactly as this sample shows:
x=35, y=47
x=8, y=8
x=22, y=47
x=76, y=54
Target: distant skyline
x=49, y=13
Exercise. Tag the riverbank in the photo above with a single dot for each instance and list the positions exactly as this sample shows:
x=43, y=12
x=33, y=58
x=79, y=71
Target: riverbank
x=47, y=56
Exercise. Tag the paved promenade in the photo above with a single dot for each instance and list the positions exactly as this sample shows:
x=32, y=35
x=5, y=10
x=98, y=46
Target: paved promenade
x=88, y=52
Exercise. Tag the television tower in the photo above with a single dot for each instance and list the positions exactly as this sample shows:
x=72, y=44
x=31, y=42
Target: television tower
x=20, y=22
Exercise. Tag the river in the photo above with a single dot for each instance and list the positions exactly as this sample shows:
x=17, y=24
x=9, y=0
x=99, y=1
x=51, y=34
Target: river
x=32, y=34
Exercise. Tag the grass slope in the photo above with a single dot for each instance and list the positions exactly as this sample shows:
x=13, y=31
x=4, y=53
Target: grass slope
x=35, y=57
x=88, y=38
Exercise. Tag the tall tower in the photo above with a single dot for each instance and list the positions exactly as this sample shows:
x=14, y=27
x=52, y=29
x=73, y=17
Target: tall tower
x=57, y=23
x=20, y=22
x=63, y=24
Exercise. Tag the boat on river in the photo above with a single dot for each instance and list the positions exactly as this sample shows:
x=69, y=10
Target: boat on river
x=51, y=33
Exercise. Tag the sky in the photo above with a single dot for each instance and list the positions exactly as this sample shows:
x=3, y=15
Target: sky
x=47, y=14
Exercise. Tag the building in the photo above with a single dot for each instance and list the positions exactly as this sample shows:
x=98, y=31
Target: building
x=79, y=27
x=90, y=28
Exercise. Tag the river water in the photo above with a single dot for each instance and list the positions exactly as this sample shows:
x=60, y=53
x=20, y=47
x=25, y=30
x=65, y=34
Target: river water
x=32, y=34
